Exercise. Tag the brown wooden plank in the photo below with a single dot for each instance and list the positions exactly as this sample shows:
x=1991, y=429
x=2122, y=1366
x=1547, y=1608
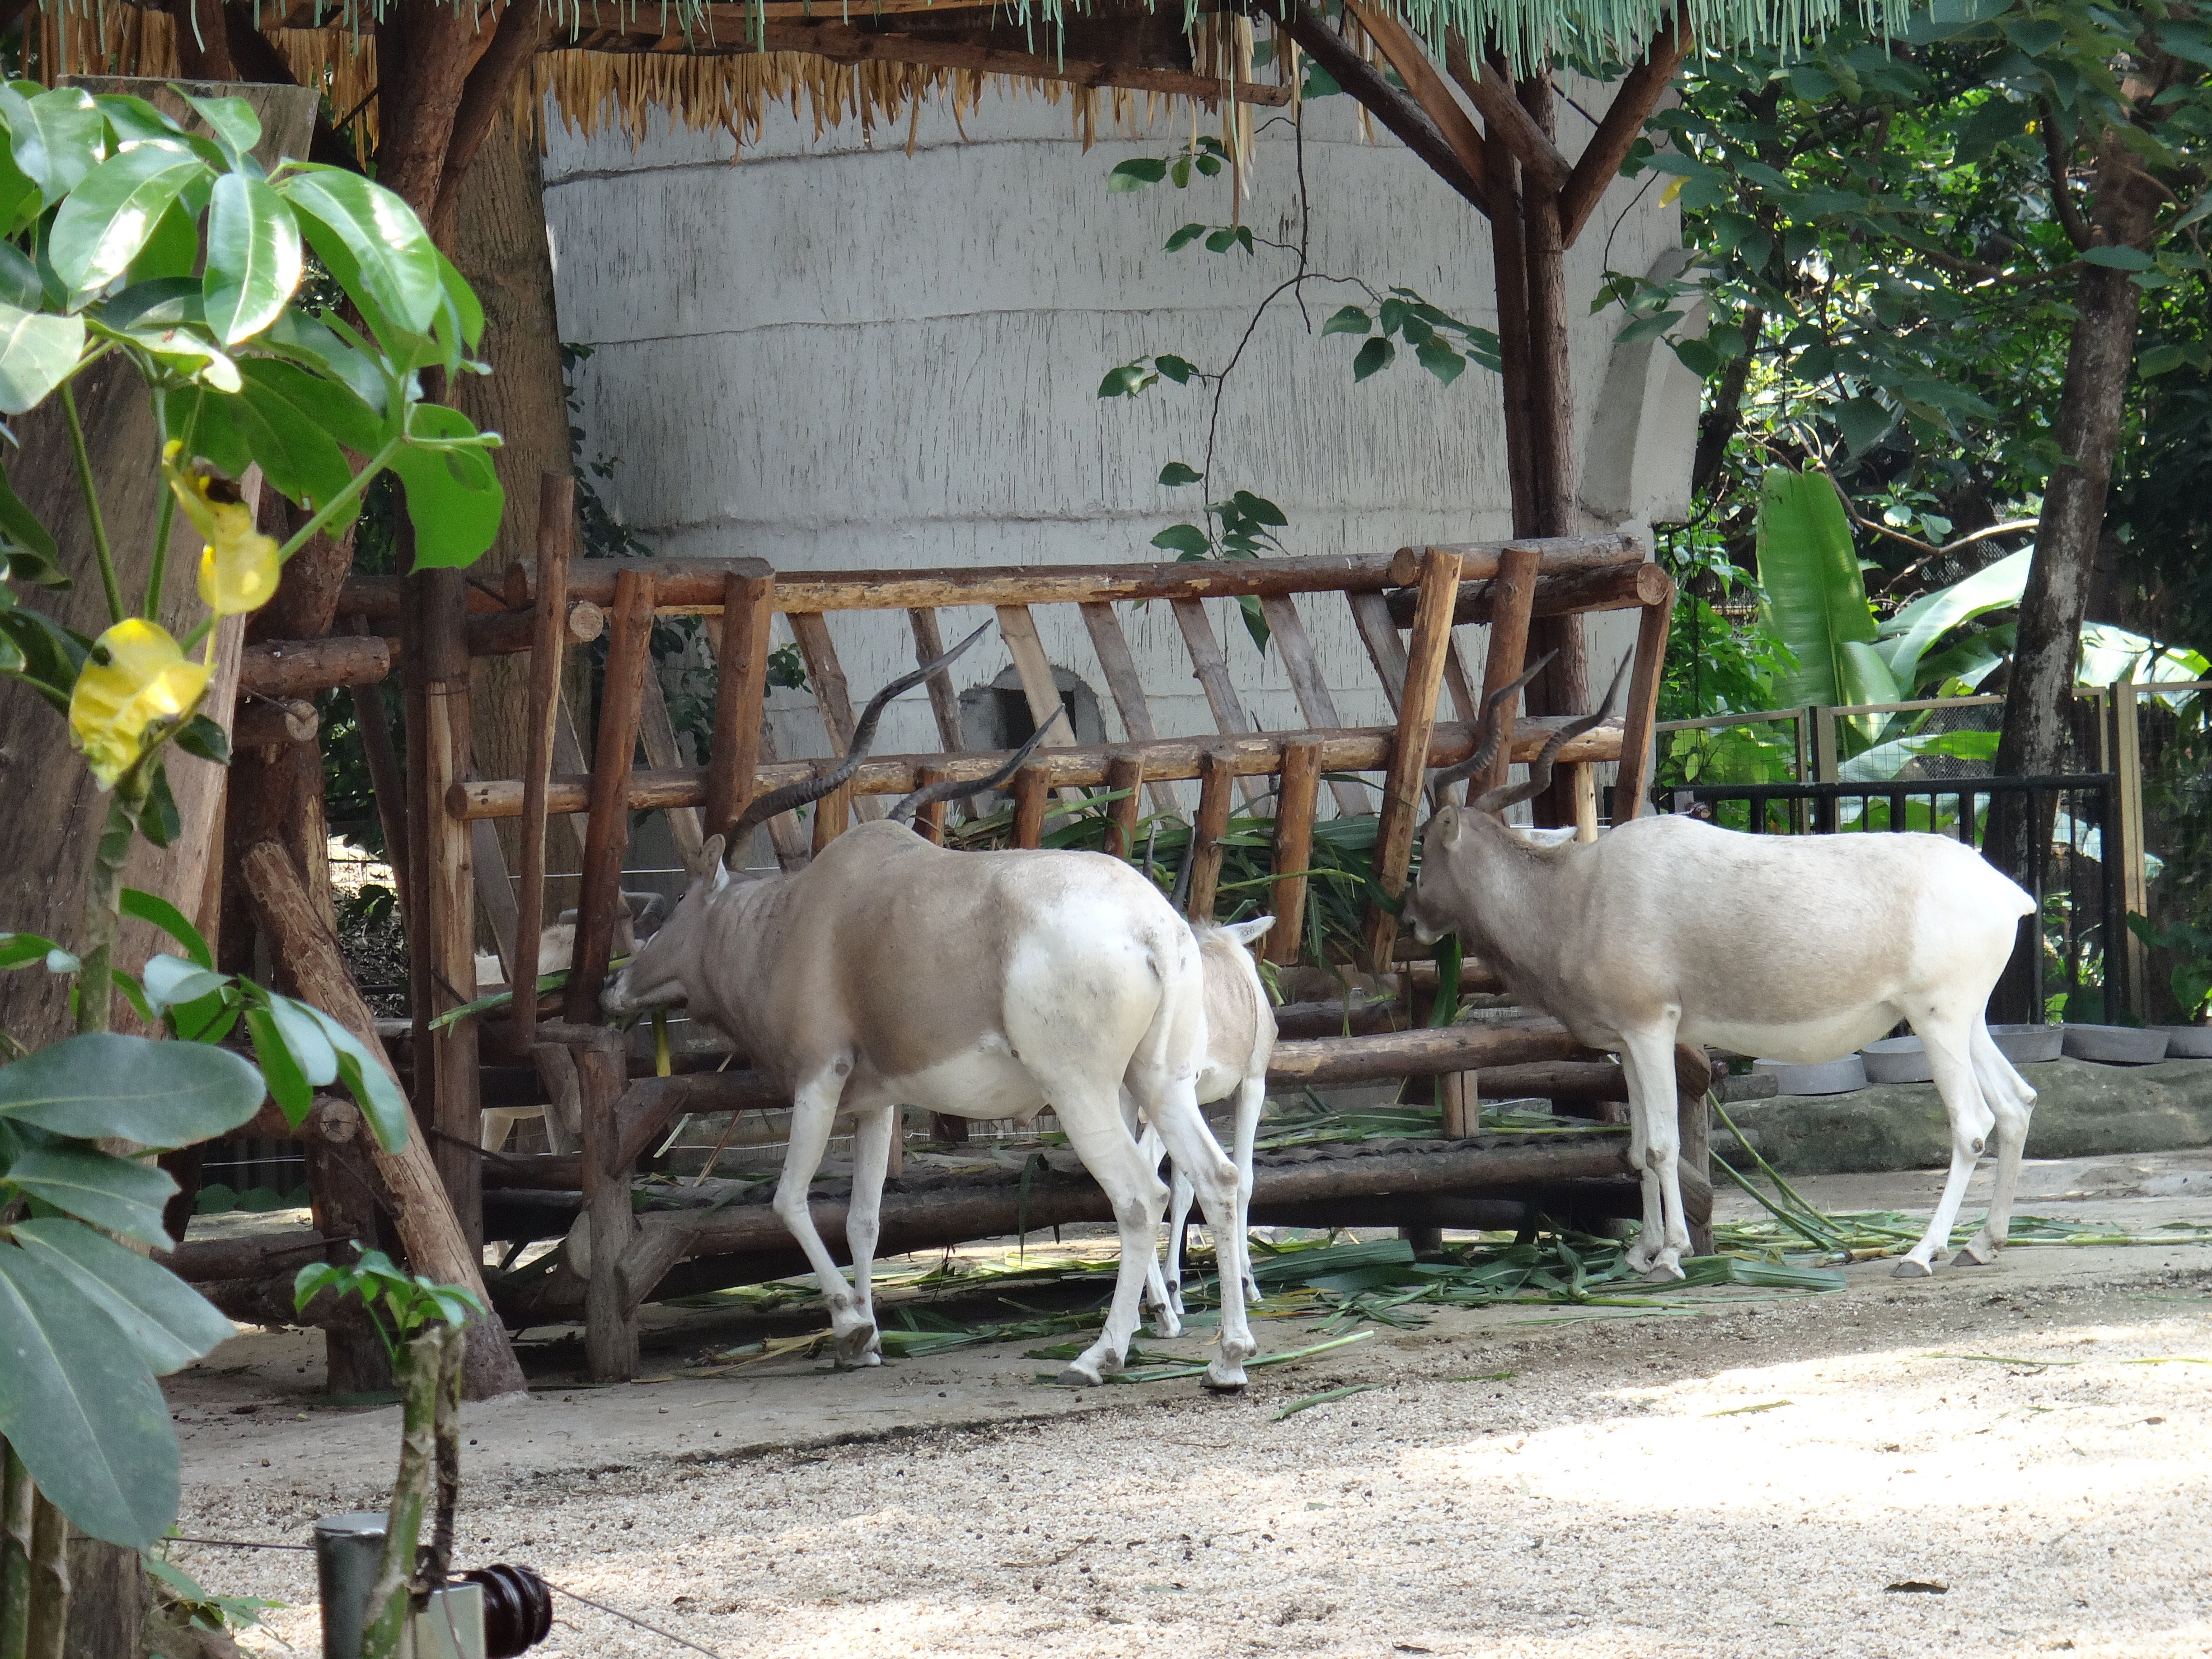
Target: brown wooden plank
x=494, y=894
x=1634, y=99
x=630, y=659
x=929, y=821
x=1515, y=591
x=1417, y=719
x=1125, y=774
x=944, y=701
x=1215, y=774
x=1566, y=593
x=833, y=696
x=657, y=730
x=1370, y=614
x=1032, y=785
x=1424, y=84
x=833, y=815
x=1212, y=668
x=1299, y=793
x=1634, y=782
x=1288, y=631
x=556, y=520
x=1118, y=664
x=741, y=648
x=785, y=833
x=1047, y=711
x=1356, y=749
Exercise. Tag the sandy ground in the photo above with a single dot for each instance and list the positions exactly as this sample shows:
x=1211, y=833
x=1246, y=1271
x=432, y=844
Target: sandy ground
x=2010, y=1460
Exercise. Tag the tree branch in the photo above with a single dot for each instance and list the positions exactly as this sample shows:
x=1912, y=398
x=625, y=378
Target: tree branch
x=1638, y=94
x=2062, y=194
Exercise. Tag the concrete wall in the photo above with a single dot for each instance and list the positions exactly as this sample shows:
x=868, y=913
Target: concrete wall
x=829, y=356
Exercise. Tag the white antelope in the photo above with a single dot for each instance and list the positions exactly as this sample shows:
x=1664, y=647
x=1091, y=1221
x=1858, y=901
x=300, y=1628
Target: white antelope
x=892, y=972
x=1803, y=947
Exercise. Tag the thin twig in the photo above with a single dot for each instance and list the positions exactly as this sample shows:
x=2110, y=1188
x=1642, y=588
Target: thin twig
x=100, y=547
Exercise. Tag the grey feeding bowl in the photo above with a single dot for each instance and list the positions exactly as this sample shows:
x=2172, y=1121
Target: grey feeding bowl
x=2187, y=1042
x=1829, y=1076
x=2116, y=1045
x=2029, y=1045
x=1897, y=1059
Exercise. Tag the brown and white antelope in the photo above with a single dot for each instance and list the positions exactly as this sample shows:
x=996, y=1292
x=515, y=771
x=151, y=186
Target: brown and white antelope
x=892, y=972
x=1666, y=929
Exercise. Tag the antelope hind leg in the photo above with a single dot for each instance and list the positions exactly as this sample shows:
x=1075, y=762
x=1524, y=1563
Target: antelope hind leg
x=1647, y=1062
x=863, y=1344
x=1950, y=1057
x=1134, y=1186
x=2010, y=1096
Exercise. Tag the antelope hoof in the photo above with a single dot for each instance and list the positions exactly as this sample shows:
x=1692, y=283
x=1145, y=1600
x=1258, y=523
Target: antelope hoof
x=861, y=1345
x=1233, y=1383
x=1912, y=1268
x=1664, y=1272
x=1977, y=1252
x=1074, y=1376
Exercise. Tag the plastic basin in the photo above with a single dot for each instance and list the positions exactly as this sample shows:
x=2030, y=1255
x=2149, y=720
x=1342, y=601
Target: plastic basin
x=2116, y=1045
x=2029, y=1045
x=1897, y=1059
x=1829, y=1076
x=2187, y=1042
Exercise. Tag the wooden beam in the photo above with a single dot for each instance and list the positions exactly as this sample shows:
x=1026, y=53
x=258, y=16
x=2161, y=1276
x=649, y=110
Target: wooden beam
x=1288, y=634
x=1422, y=80
x=1633, y=101
x=741, y=692
x=944, y=701
x=1395, y=110
x=1512, y=599
x=630, y=659
x=1294, y=822
x=1634, y=782
x=293, y=668
x=1607, y=587
x=1506, y=122
x=1215, y=773
x=1118, y=664
x=1417, y=717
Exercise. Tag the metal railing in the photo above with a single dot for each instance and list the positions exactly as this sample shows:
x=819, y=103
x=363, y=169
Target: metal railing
x=2075, y=944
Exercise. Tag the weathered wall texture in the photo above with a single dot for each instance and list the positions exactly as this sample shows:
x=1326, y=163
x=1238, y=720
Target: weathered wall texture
x=832, y=356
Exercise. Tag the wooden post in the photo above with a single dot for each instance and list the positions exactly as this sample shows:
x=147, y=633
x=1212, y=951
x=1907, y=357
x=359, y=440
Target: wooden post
x=929, y=821
x=1125, y=774
x=944, y=701
x=609, y=1313
x=1458, y=1096
x=1216, y=772
x=556, y=520
x=302, y=940
x=1693, y=1078
x=342, y=1187
x=1634, y=783
x=389, y=784
x=1515, y=592
x=833, y=815
x=1032, y=787
x=629, y=658
x=740, y=693
x=1409, y=753
x=1297, y=795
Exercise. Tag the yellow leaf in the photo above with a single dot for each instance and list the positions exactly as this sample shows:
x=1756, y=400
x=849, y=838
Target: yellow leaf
x=136, y=686
x=238, y=567
x=1672, y=189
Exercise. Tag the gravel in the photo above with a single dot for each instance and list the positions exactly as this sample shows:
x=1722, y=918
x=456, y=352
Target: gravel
x=1773, y=1479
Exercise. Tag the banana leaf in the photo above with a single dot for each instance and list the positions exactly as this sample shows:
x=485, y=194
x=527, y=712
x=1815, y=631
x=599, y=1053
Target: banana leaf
x=1816, y=602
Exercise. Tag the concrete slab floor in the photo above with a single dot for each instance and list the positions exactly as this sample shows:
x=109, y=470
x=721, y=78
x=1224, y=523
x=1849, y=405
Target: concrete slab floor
x=1752, y=1478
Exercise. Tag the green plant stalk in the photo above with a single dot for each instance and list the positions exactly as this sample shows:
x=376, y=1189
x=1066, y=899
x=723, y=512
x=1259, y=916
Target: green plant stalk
x=159, y=572
x=17, y=1497
x=390, y=1599
x=314, y=528
x=100, y=547
x=103, y=903
x=1789, y=1194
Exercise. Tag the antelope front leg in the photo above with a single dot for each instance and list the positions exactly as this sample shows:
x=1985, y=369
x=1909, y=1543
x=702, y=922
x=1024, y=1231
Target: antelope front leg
x=813, y=1109
x=1251, y=1100
x=1647, y=1062
x=873, y=1129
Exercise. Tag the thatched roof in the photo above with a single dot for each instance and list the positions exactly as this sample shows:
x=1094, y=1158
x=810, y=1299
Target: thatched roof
x=708, y=64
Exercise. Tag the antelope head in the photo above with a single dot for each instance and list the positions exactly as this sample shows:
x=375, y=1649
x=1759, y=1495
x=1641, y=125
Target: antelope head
x=661, y=968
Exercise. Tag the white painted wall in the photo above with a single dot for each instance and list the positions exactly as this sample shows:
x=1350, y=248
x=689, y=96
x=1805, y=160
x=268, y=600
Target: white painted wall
x=830, y=356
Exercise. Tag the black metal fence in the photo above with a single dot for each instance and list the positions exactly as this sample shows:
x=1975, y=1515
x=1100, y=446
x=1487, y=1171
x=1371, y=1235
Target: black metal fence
x=2071, y=961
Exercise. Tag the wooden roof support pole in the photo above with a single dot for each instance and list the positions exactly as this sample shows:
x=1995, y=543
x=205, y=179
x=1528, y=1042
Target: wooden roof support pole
x=1118, y=664
x=629, y=658
x=833, y=695
x=1511, y=596
x=609, y=1312
x=1509, y=121
x=1124, y=776
x=1633, y=101
x=427, y=1227
x=740, y=694
x=556, y=520
x=1409, y=753
x=1635, y=777
x=1294, y=822
x=1214, y=800
x=944, y=701
x=1422, y=80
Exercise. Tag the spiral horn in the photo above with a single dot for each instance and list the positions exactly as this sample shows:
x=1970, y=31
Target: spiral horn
x=954, y=789
x=1485, y=746
x=864, y=733
x=1540, y=769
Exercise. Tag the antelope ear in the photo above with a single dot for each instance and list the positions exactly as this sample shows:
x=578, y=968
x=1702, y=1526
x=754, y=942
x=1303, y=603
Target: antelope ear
x=1447, y=828
x=1249, y=933
x=707, y=862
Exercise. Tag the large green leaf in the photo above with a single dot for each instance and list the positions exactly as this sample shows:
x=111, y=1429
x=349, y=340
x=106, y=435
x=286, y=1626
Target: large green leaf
x=171, y=1323
x=309, y=340
x=296, y=454
x=158, y=1094
x=110, y=1192
x=57, y=137
x=31, y=553
x=1816, y=603
x=376, y=237
x=109, y=216
x=453, y=496
x=80, y=1408
x=37, y=353
x=1906, y=636
x=366, y=1079
x=253, y=260
x=326, y=403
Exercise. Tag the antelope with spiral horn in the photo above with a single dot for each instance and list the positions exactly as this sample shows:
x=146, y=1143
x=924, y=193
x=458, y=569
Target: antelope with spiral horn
x=1666, y=929
x=892, y=972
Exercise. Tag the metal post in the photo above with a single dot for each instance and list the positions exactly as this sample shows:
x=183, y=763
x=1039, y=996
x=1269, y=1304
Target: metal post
x=346, y=1551
x=2135, y=897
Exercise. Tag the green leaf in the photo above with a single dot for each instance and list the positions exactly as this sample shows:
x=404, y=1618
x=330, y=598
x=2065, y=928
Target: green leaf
x=109, y=217
x=32, y=555
x=1648, y=328
x=365, y=232
x=2159, y=359
x=1440, y=359
x=50, y=655
x=172, y=981
x=253, y=259
x=1863, y=421
x=1178, y=172
x=1172, y=367
x=110, y=1192
x=159, y=821
x=170, y=1323
x=466, y=309
x=236, y=128
x=57, y=137
x=1186, y=539
x=37, y=354
x=1259, y=509
x=132, y=120
x=172, y=247
x=1209, y=165
x=1816, y=599
x=278, y=412
x=2116, y=258
x=21, y=949
x=1135, y=173
x=201, y=736
x=1127, y=381
x=80, y=1408
x=288, y=1087
x=1348, y=319
x=1183, y=238
x=370, y=1084
x=454, y=497
x=328, y=354
x=303, y=1035
x=158, y=912
x=1997, y=120
x=1906, y=636
x=18, y=279
x=1373, y=357
x=1221, y=241
x=103, y=1083
x=1176, y=473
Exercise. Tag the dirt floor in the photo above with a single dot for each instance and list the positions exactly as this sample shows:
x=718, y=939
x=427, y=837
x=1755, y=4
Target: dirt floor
x=2007, y=1460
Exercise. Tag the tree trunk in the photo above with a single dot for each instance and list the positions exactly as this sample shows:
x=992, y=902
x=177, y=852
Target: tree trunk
x=499, y=244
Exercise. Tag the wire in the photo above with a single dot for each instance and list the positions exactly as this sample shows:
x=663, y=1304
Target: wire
x=669, y=1635
x=237, y=1543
